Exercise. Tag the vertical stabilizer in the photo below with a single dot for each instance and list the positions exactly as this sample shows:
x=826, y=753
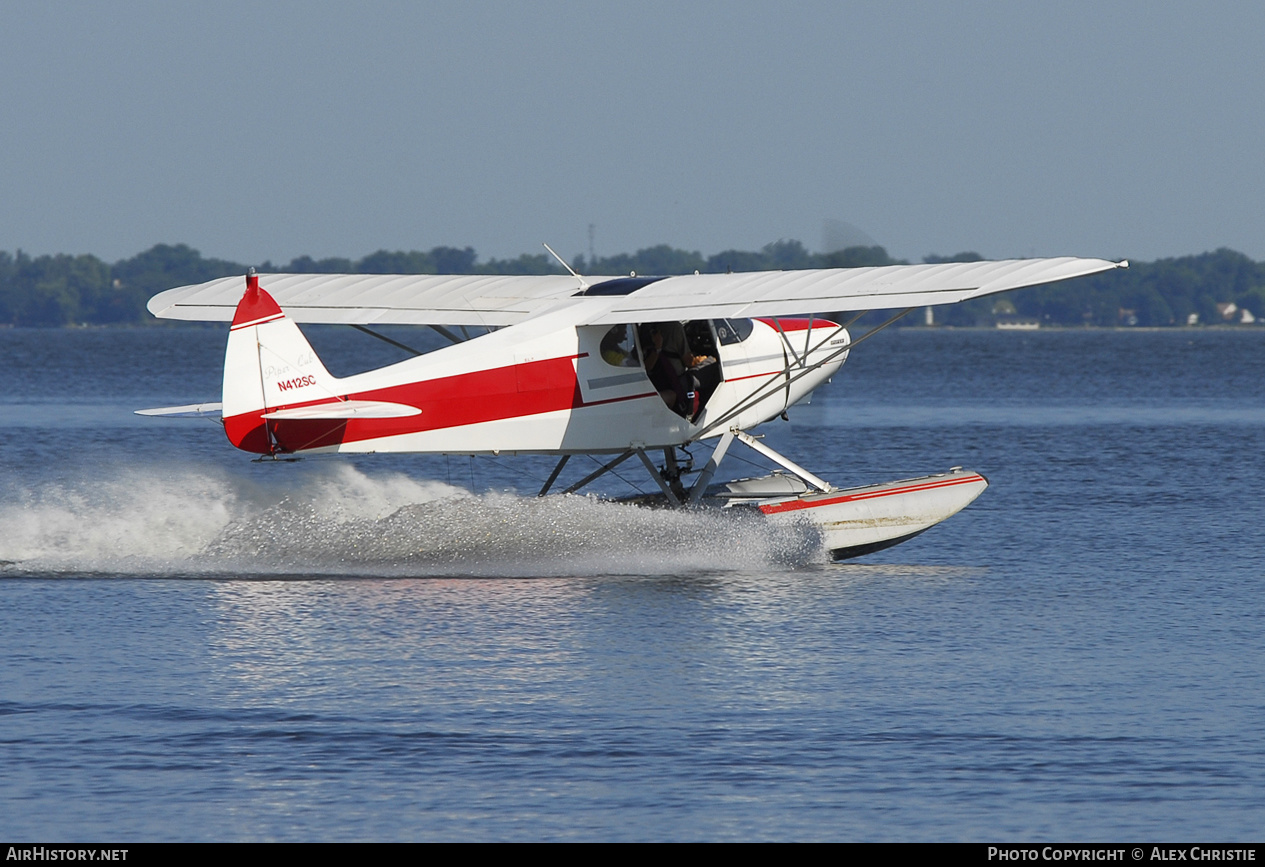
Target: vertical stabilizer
x=268, y=365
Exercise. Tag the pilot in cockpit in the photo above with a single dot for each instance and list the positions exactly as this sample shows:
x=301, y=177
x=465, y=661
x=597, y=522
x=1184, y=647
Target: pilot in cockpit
x=669, y=363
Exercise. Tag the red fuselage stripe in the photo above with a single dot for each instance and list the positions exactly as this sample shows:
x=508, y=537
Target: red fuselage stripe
x=756, y=375
x=797, y=324
x=529, y=388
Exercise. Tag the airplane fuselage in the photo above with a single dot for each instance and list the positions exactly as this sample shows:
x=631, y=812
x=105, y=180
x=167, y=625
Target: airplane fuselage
x=538, y=387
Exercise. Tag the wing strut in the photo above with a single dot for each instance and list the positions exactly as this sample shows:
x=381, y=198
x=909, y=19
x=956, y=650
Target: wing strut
x=397, y=344
x=786, y=340
x=763, y=391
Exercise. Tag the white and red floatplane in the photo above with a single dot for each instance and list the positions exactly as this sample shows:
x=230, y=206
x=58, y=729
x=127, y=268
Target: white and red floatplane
x=611, y=366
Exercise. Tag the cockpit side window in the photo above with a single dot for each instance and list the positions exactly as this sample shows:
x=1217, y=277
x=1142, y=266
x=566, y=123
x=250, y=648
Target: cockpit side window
x=618, y=348
x=730, y=331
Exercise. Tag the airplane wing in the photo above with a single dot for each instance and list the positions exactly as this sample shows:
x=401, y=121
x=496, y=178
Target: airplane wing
x=381, y=299
x=782, y=293
x=497, y=300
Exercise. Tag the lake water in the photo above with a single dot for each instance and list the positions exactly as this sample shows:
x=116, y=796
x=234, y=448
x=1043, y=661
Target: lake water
x=197, y=647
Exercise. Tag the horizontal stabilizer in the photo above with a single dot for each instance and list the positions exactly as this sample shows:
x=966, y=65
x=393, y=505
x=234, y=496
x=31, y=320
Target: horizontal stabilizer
x=345, y=409
x=192, y=410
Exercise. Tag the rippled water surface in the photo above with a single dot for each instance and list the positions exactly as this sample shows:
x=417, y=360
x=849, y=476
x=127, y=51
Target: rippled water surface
x=198, y=647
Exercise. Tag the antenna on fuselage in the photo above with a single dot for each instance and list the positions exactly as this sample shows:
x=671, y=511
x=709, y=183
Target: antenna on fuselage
x=583, y=285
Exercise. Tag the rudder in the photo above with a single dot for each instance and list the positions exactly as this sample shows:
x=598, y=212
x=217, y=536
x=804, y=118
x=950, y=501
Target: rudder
x=268, y=365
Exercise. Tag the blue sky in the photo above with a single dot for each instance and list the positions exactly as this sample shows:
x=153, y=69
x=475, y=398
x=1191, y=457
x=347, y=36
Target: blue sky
x=265, y=131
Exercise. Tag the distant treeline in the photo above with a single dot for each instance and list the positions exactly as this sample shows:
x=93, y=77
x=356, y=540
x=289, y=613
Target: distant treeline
x=67, y=290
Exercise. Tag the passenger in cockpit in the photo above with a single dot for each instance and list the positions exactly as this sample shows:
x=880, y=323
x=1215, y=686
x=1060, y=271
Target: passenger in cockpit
x=617, y=348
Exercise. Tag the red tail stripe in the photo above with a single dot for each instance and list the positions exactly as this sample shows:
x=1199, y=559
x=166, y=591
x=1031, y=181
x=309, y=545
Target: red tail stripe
x=256, y=305
x=239, y=325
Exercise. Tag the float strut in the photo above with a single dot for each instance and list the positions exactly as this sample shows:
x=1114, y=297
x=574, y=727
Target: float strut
x=705, y=477
x=816, y=482
x=658, y=477
x=553, y=477
x=599, y=471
